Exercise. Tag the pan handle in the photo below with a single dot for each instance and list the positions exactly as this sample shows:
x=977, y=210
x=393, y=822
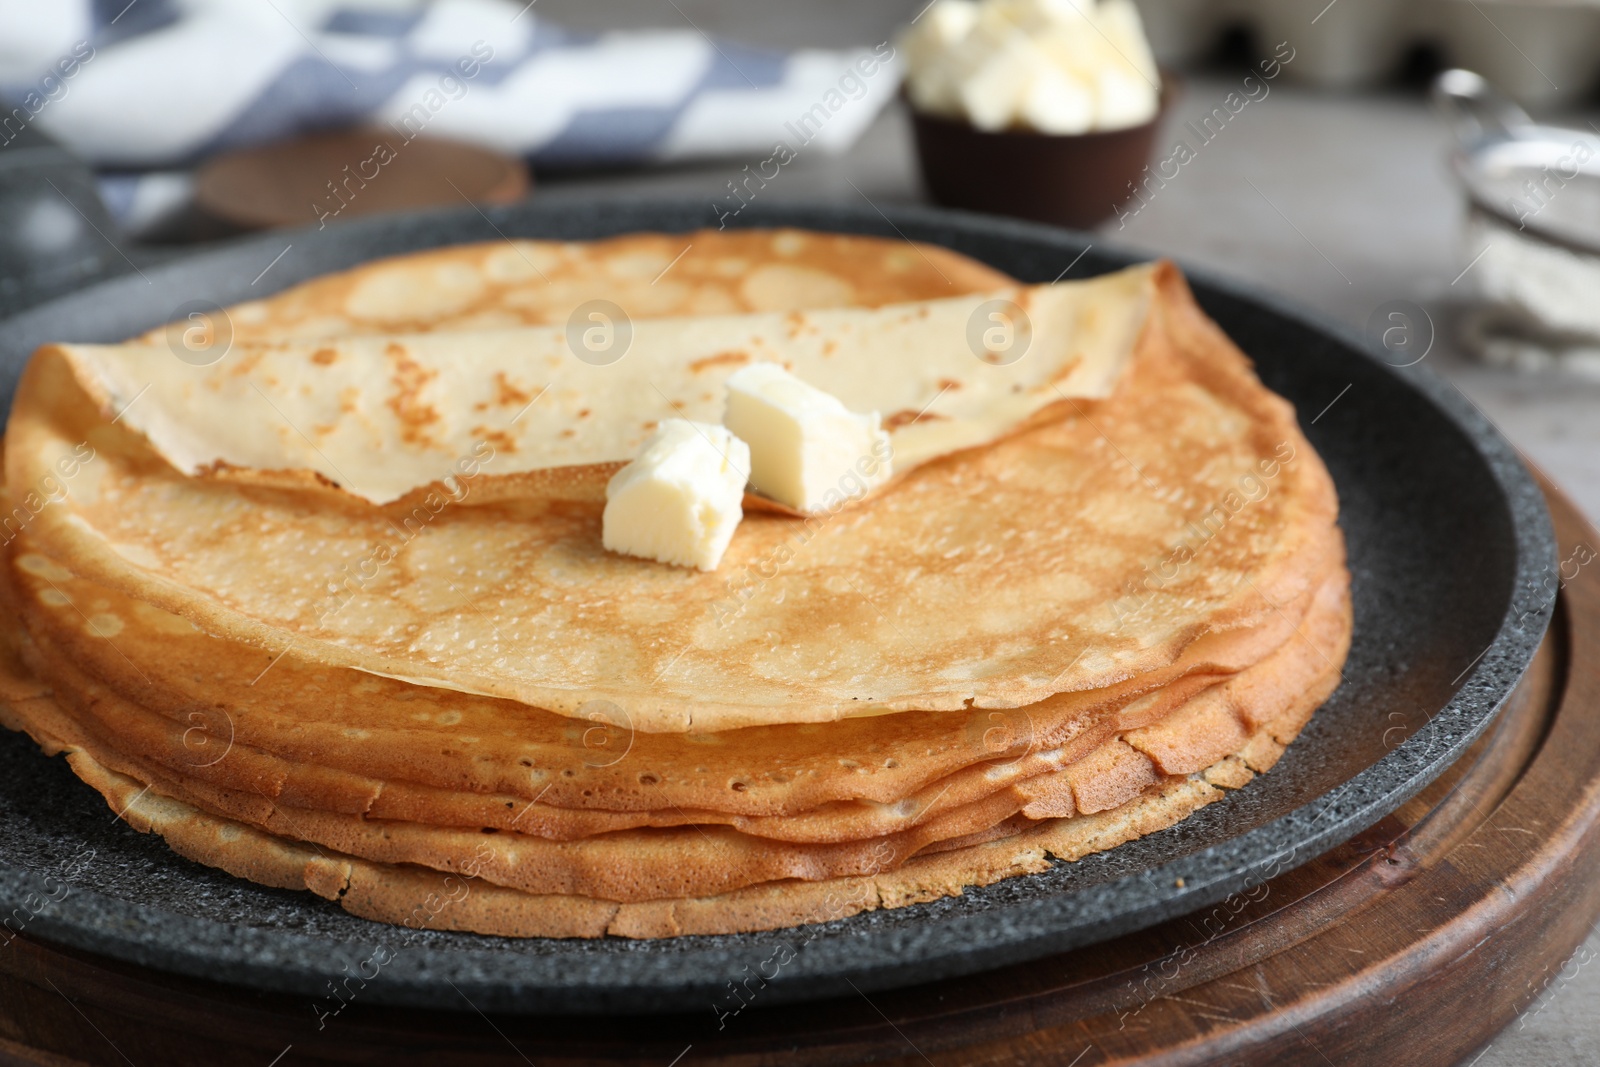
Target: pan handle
x=1476, y=110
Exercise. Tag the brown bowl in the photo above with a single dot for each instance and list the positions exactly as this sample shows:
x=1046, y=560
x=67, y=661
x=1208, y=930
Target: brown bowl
x=1075, y=180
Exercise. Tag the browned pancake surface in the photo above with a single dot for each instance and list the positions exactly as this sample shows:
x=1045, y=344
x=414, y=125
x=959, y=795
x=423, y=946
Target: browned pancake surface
x=1148, y=591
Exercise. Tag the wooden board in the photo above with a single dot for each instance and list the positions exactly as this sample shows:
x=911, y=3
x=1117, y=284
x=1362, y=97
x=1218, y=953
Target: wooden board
x=1412, y=944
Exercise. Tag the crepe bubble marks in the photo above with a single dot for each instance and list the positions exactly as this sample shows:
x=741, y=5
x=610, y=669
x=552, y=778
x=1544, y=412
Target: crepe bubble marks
x=853, y=486
x=52, y=487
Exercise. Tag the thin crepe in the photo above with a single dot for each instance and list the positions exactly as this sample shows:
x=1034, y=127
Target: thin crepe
x=182, y=728
x=657, y=863
x=382, y=416
x=411, y=895
x=1078, y=553
x=279, y=726
x=500, y=284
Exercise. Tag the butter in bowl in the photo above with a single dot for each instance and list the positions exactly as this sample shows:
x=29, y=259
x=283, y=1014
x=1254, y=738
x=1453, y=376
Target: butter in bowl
x=1040, y=109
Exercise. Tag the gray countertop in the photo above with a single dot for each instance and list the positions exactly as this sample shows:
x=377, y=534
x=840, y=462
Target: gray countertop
x=1340, y=202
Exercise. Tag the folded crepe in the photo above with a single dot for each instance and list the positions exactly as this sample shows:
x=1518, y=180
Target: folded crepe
x=383, y=416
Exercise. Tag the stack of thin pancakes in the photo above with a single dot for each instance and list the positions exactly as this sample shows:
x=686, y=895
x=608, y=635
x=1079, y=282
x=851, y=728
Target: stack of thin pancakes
x=1017, y=654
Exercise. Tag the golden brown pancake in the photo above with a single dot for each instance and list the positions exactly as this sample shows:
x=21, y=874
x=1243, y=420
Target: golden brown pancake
x=498, y=284
x=1215, y=720
x=396, y=893
x=1040, y=648
x=1078, y=553
x=281, y=713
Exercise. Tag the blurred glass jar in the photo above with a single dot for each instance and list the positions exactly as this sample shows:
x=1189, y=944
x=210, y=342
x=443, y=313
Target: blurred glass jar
x=1532, y=234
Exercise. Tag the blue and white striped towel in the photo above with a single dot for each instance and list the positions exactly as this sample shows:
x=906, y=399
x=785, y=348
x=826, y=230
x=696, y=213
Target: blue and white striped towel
x=152, y=84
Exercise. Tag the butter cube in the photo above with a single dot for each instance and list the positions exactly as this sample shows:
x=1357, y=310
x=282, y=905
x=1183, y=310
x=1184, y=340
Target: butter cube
x=806, y=449
x=681, y=499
